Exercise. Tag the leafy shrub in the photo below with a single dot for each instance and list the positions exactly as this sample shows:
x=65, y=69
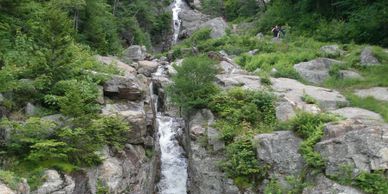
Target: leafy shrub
x=310, y=127
x=193, y=85
x=273, y=187
x=309, y=99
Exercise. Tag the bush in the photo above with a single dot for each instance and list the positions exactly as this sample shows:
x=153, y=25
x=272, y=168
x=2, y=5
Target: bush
x=310, y=127
x=193, y=85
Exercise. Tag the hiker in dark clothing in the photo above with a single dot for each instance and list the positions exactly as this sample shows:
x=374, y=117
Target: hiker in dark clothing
x=276, y=31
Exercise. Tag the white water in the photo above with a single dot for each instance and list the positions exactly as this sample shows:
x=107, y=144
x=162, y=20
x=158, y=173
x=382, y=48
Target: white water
x=176, y=9
x=173, y=162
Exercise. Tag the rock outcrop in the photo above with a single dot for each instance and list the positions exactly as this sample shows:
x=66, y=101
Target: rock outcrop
x=135, y=53
x=124, y=87
x=279, y=151
x=205, y=176
x=379, y=93
x=315, y=71
x=291, y=92
x=367, y=57
x=358, y=114
x=56, y=183
x=125, y=68
x=4, y=189
x=363, y=146
x=323, y=185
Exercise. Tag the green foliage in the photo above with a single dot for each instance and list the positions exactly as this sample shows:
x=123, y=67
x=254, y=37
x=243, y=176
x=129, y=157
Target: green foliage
x=310, y=127
x=193, y=85
x=9, y=178
x=273, y=187
x=213, y=7
x=240, y=8
x=309, y=99
x=242, y=163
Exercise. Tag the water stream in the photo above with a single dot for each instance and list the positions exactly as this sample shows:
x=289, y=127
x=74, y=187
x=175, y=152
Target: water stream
x=176, y=9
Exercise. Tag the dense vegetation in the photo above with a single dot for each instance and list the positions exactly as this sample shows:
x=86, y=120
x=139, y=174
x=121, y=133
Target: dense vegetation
x=46, y=59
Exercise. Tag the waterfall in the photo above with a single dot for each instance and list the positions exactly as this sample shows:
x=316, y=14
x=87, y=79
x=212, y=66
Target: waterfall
x=176, y=9
x=173, y=160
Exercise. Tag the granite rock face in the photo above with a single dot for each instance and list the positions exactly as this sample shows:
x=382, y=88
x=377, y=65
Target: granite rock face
x=332, y=50
x=315, y=71
x=124, y=87
x=362, y=145
x=324, y=185
x=367, y=57
x=56, y=183
x=358, y=113
x=379, y=93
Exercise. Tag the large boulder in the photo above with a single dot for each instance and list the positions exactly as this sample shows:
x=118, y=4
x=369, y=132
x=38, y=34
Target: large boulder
x=56, y=183
x=31, y=109
x=217, y=25
x=124, y=87
x=127, y=172
x=315, y=71
x=148, y=67
x=379, y=93
x=125, y=68
x=367, y=58
x=4, y=189
x=279, y=151
x=205, y=174
x=323, y=185
x=358, y=113
x=135, y=114
x=232, y=80
x=332, y=50
x=292, y=91
x=361, y=145
x=348, y=74
x=135, y=53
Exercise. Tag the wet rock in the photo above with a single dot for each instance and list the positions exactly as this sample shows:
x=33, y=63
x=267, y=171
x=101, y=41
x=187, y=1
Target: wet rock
x=315, y=71
x=4, y=189
x=324, y=185
x=367, y=58
x=233, y=80
x=135, y=115
x=379, y=93
x=135, y=52
x=147, y=67
x=358, y=113
x=124, y=87
x=332, y=50
x=125, y=68
x=293, y=90
x=361, y=145
x=56, y=183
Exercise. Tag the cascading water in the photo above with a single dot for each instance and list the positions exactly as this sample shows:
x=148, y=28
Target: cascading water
x=172, y=156
x=173, y=161
x=176, y=9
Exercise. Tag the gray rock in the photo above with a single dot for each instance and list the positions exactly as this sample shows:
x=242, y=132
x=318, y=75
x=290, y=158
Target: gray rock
x=56, y=184
x=135, y=115
x=128, y=172
x=217, y=25
x=280, y=150
x=379, y=93
x=260, y=36
x=100, y=99
x=347, y=74
x=233, y=80
x=332, y=50
x=148, y=67
x=23, y=187
x=58, y=119
x=315, y=71
x=285, y=109
x=4, y=189
x=324, y=185
x=230, y=68
x=361, y=145
x=134, y=52
x=124, y=87
x=191, y=20
x=1, y=98
x=125, y=68
x=253, y=52
x=367, y=58
x=31, y=109
x=358, y=113
x=293, y=91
